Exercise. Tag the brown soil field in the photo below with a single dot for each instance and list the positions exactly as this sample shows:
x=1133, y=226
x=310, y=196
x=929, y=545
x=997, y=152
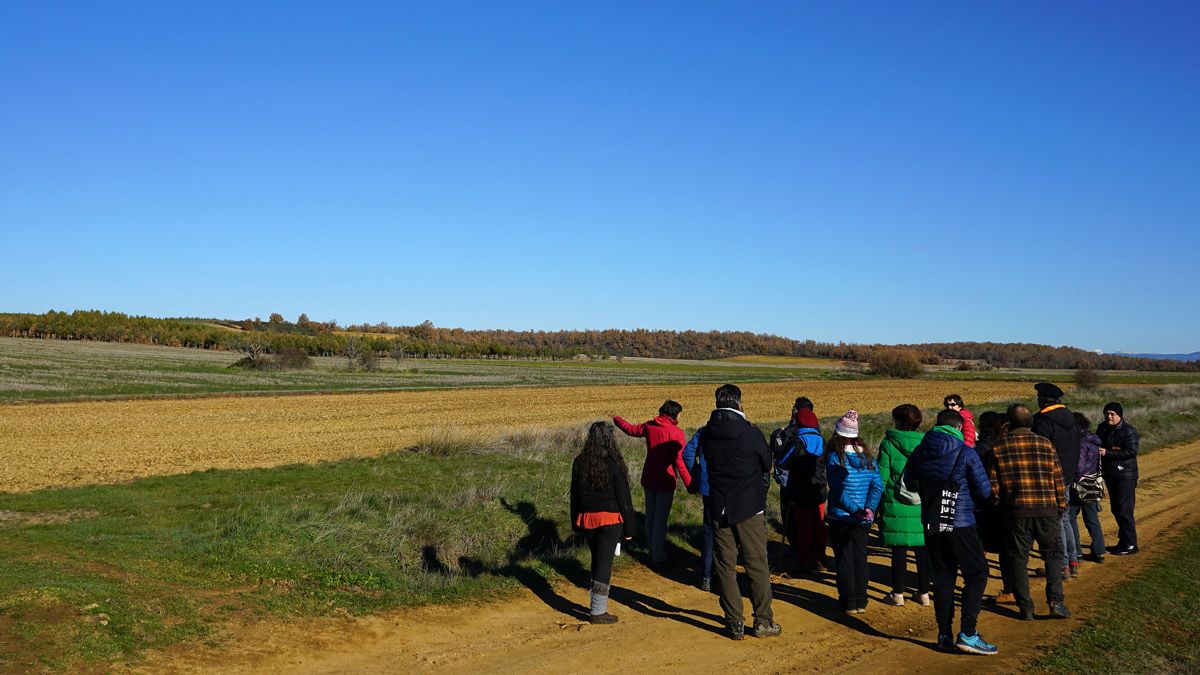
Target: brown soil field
x=68, y=444
x=667, y=625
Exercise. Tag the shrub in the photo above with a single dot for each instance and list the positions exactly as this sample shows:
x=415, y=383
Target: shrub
x=293, y=358
x=368, y=360
x=902, y=363
x=1086, y=377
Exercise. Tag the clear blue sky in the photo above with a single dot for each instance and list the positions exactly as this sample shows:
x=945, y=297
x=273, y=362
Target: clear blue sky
x=867, y=172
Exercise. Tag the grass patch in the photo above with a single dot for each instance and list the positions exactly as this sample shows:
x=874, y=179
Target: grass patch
x=1147, y=625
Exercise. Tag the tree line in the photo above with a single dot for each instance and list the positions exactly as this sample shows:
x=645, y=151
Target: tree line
x=424, y=340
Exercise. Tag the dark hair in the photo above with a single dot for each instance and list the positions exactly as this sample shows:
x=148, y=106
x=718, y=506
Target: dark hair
x=1019, y=417
x=992, y=426
x=950, y=417
x=953, y=398
x=598, y=450
x=803, y=402
x=839, y=443
x=729, y=396
x=907, y=417
x=1083, y=422
x=670, y=409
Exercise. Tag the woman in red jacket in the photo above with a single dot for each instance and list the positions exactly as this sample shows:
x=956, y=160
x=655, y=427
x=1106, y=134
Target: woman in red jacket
x=664, y=462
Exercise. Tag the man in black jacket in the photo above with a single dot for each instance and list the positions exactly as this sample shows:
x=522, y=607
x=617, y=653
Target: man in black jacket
x=1119, y=442
x=738, y=462
x=1056, y=423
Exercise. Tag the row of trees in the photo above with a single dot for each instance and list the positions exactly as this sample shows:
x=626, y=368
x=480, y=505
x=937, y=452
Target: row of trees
x=425, y=340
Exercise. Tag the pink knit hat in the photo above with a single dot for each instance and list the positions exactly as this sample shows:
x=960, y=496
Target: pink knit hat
x=848, y=425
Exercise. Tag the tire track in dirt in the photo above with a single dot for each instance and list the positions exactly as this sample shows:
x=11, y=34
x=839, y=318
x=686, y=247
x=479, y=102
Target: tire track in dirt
x=670, y=625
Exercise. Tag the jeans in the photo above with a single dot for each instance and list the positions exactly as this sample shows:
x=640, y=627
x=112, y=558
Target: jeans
x=1069, y=537
x=748, y=537
x=809, y=541
x=1091, y=520
x=706, y=549
x=1047, y=532
x=1121, y=498
x=849, y=542
x=950, y=552
x=900, y=569
x=658, y=508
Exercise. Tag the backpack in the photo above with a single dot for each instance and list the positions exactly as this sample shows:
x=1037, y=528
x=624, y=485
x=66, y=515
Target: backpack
x=786, y=444
x=908, y=487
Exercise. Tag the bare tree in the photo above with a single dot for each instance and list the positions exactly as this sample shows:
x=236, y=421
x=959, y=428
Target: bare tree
x=255, y=350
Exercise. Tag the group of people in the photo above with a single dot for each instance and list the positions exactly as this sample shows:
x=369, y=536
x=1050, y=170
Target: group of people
x=949, y=496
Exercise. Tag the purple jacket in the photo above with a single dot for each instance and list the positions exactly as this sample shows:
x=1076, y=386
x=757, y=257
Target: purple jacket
x=1089, y=453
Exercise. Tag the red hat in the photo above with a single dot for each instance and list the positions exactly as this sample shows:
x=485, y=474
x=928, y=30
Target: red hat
x=806, y=419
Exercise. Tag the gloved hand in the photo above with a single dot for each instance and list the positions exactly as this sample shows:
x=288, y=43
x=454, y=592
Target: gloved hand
x=866, y=515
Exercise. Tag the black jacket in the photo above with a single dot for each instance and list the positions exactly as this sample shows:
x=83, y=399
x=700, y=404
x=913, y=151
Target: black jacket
x=1120, y=445
x=1060, y=428
x=615, y=499
x=738, y=461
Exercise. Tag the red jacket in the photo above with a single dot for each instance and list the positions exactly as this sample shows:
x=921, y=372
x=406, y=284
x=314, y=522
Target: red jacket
x=968, y=430
x=664, y=452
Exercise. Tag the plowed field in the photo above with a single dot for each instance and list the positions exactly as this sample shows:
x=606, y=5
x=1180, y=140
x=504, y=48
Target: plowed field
x=66, y=444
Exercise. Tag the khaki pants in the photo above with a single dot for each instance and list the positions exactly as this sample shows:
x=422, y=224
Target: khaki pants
x=750, y=538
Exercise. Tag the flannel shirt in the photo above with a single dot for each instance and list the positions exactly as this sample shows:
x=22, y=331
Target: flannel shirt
x=1026, y=477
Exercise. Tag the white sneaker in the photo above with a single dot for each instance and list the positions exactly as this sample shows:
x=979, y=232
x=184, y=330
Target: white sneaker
x=923, y=599
x=894, y=599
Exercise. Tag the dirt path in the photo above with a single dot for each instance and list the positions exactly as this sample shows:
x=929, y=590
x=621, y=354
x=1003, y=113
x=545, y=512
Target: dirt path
x=668, y=624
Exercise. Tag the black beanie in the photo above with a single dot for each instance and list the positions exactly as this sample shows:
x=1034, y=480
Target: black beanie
x=1115, y=407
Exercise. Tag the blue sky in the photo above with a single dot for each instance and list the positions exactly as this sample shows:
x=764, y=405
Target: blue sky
x=867, y=172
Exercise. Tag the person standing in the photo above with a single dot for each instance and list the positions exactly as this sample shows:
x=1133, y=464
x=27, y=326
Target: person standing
x=854, y=491
x=664, y=461
x=952, y=480
x=808, y=488
x=694, y=458
x=970, y=433
x=900, y=523
x=602, y=509
x=1120, y=468
x=738, y=462
x=1056, y=423
x=783, y=451
x=992, y=529
x=1028, y=484
x=1085, y=494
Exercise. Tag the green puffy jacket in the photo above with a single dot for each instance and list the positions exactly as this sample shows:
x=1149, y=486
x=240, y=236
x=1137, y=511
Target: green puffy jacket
x=899, y=523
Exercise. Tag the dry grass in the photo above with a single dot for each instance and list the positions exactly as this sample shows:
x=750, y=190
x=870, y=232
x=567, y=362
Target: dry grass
x=67, y=444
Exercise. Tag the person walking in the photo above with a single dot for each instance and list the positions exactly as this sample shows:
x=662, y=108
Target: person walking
x=854, y=491
x=738, y=461
x=1120, y=469
x=952, y=480
x=900, y=523
x=992, y=529
x=808, y=488
x=664, y=461
x=1056, y=423
x=1085, y=493
x=693, y=458
x=1028, y=484
x=602, y=509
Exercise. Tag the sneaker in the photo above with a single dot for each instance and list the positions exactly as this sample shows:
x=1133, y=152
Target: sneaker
x=706, y=584
x=1074, y=570
x=765, y=630
x=974, y=644
x=1059, y=611
x=861, y=610
x=924, y=600
x=1096, y=558
x=945, y=643
x=894, y=599
x=602, y=618
x=735, y=630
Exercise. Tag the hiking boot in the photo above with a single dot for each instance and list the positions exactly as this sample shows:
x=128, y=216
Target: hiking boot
x=894, y=599
x=1027, y=614
x=604, y=618
x=1074, y=570
x=735, y=630
x=1003, y=598
x=765, y=630
x=924, y=599
x=945, y=643
x=974, y=644
x=706, y=584
x=1059, y=611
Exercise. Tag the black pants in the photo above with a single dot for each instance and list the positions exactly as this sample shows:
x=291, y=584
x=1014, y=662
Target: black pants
x=749, y=538
x=900, y=568
x=1121, y=498
x=1047, y=532
x=949, y=553
x=849, y=541
x=603, y=543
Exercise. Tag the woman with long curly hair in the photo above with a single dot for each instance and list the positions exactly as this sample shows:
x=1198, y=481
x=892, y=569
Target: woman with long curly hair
x=602, y=509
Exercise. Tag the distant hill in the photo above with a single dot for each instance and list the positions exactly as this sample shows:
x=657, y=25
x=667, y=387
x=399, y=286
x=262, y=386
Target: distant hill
x=1194, y=356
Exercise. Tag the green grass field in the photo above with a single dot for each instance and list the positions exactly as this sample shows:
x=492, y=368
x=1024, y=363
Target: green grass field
x=93, y=575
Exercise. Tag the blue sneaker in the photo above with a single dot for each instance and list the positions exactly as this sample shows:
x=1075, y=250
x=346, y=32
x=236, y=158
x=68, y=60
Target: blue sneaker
x=974, y=644
x=945, y=643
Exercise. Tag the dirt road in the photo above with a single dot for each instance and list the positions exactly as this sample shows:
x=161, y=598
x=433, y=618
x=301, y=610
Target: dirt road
x=668, y=625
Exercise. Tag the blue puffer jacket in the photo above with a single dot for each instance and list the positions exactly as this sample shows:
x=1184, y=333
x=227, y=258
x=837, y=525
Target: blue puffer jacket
x=700, y=472
x=932, y=461
x=852, y=488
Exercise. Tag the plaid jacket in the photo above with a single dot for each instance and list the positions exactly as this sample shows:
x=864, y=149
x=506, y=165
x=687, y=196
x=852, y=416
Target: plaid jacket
x=1027, y=480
